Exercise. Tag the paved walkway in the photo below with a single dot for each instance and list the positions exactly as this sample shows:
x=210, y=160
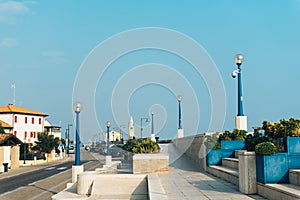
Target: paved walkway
x=185, y=181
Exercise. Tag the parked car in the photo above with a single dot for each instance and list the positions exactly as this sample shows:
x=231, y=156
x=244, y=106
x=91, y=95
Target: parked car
x=71, y=150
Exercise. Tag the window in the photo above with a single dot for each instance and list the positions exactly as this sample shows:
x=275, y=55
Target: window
x=31, y=134
x=15, y=133
x=32, y=120
x=25, y=120
x=40, y=121
x=16, y=119
x=34, y=135
x=25, y=135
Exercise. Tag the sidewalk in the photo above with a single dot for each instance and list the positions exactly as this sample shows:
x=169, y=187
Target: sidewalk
x=30, y=168
x=185, y=181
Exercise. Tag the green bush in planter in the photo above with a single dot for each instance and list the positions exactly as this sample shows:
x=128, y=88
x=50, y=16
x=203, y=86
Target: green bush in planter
x=144, y=145
x=265, y=148
x=211, y=141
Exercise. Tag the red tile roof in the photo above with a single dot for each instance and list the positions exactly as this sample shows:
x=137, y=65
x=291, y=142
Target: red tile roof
x=5, y=125
x=9, y=139
x=10, y=108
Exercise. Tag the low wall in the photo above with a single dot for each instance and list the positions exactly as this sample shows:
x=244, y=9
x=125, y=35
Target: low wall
x=193, y=146
x=149, y=163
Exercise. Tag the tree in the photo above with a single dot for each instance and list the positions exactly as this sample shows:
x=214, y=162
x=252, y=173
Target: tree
x=1, y=129
x=46, y=143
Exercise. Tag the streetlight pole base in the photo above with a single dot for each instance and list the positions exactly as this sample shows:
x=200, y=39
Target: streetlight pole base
x=108, y=160
x=241, y=123
x=180, y=133
x=153, y=137
x=76, y=169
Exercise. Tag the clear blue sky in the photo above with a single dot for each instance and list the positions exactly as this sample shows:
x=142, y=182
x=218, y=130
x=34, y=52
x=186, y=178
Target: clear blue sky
x=44, y=43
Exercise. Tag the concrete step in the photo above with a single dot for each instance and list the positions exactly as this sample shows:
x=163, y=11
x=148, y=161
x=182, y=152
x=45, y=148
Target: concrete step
x=294, y=176
x=226, y=173
x=231, y=163
x=279, y=191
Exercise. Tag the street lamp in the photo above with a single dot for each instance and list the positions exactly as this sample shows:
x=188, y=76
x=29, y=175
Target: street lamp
x=146, y=120
x=108, y=142
x=24, y=154
x=77, y=107
x=241, y=120
x=180, y=130
x=121, y=139
x=152, y=126
x=68, y=137
x=179, y=99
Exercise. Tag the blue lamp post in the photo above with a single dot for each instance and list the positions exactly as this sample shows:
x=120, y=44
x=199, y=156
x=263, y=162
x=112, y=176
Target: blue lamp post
x=108, y=140
x=152, y=123
x=238, y=72
x=146, y=120
x=179, y=98
x=77, y=108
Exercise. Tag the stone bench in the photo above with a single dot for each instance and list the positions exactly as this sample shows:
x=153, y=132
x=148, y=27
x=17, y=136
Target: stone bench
x=294, y=176
x=226, y=173
x=231, y=163
x=279, y=191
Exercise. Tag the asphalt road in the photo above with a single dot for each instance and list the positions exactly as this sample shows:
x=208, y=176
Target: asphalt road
x=12, y=183
x=44, y=182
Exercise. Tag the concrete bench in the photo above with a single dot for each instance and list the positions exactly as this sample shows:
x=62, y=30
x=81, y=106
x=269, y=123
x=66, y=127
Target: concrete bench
x=231, y=162
x=294, y=176
x=226, y=173
x=279, y=191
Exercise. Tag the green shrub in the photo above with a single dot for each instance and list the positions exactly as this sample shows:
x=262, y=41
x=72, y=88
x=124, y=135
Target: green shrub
x=252, y=140
x=211, y=141
x=144, y=145
x=236, y=134
x=265, y=148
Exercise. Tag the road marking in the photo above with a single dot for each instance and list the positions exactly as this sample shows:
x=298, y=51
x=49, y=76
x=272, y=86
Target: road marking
x=50, y=168
x=61, y=168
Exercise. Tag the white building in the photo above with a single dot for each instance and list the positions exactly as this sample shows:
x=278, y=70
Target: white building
x=26, y=124
x=52, y=130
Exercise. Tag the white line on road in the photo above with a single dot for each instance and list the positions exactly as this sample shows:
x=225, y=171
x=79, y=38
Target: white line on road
x=50, y=168
x=61, y=168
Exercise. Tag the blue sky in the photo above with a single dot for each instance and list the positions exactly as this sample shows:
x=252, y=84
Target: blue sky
x=43, y=46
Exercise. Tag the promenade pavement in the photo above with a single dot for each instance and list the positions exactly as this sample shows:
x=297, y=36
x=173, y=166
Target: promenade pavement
x=185, y=181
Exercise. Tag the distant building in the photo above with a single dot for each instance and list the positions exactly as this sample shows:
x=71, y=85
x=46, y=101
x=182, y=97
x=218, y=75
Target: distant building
x=52, y=130
x=131, y=129
x=7, y=128
x=23, y=123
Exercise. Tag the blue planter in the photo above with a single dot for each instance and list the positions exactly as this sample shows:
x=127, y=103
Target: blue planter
x=229, y=147
x=272, y=169
x=214, y=157
x=293, y=150
x=293, y=145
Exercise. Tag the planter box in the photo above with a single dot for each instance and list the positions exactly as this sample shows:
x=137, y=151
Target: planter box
x=272, y=169
x=214, y=157
x=150, y=163
x=229, y=147
x=293, y=150
x=293, y=145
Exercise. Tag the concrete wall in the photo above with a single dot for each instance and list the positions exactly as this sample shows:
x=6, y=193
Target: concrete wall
x=193, y=146
x=149, y=163
x=14, y=157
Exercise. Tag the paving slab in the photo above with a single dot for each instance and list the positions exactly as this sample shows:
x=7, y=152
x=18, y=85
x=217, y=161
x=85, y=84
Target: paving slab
x=185, y=181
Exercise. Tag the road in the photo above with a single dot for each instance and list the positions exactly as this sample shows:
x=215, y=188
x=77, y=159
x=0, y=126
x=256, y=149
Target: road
x=44, y=182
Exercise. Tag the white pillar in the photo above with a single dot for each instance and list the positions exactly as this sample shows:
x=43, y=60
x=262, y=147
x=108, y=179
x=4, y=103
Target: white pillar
x=241, y=123
x=180, y=133
x=76, y=169
x=247, y=172
x=108, y=160
x=153, y=137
